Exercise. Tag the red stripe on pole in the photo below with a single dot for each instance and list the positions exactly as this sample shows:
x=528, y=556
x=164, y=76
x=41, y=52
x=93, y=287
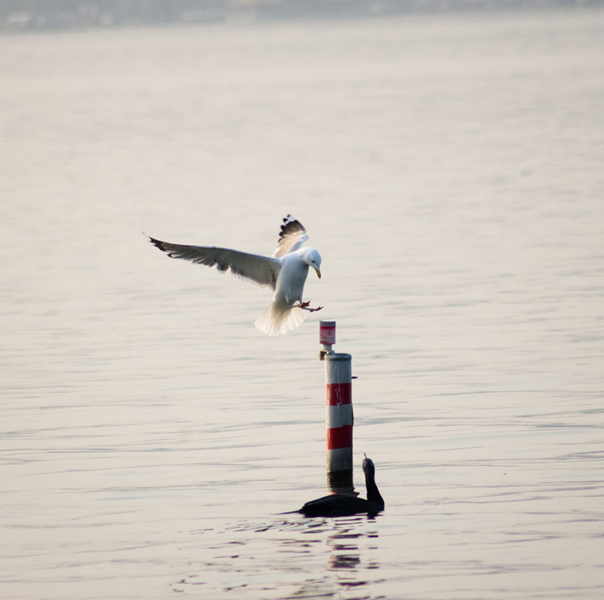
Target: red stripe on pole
x=339, y=437
x=339, y=393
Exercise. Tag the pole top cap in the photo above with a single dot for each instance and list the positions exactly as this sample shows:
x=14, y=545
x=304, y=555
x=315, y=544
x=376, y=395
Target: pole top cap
x=327, y=333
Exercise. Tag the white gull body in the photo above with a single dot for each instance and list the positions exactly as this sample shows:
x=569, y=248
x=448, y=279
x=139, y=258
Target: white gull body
x=285, y=272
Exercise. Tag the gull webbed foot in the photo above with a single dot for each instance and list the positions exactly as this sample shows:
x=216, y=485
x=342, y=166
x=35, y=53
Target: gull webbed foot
x=306, y=306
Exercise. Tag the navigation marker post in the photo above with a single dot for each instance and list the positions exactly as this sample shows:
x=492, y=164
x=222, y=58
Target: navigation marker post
x=339, y=416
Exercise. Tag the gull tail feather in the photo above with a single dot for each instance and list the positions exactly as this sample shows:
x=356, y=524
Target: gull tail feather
x=276, y=319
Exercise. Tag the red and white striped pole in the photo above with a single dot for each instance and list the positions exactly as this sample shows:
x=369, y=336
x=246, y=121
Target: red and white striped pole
x=339, y=417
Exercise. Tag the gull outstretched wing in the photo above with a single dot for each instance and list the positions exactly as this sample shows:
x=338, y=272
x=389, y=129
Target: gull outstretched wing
x=262, y=270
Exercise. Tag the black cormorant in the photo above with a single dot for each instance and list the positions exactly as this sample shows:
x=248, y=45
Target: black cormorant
x=342, y=505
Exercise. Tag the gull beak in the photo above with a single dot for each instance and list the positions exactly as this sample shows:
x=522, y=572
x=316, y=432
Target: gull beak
x=318, y=273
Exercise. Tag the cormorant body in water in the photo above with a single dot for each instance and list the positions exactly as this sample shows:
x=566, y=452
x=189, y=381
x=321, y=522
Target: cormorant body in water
x=342, y=505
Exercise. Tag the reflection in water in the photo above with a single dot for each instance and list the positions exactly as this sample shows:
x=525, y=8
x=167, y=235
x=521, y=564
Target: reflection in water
x=340, y=553
x=347, y=552
x=348, y=561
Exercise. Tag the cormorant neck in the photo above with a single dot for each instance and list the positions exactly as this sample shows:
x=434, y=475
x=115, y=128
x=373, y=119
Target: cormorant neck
x=373, y=494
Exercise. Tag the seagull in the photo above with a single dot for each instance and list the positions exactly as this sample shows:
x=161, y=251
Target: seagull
x=285, y=272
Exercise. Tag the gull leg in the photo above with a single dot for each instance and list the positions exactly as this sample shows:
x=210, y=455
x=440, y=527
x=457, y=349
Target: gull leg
x=306, y=306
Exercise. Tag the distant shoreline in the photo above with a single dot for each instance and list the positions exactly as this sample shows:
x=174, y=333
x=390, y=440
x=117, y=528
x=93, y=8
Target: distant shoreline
x=28, y=15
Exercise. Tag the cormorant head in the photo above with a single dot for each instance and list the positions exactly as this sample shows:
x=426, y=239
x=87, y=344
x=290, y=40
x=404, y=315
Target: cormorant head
x=368, y=467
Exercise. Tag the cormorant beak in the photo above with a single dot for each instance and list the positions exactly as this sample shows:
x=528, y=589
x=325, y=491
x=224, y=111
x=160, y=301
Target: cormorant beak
x=318, y=273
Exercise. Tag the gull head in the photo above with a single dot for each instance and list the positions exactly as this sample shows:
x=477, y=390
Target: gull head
x=313, y=259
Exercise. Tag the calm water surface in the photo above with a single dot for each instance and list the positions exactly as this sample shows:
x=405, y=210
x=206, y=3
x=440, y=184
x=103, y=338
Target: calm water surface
x=449, y=170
